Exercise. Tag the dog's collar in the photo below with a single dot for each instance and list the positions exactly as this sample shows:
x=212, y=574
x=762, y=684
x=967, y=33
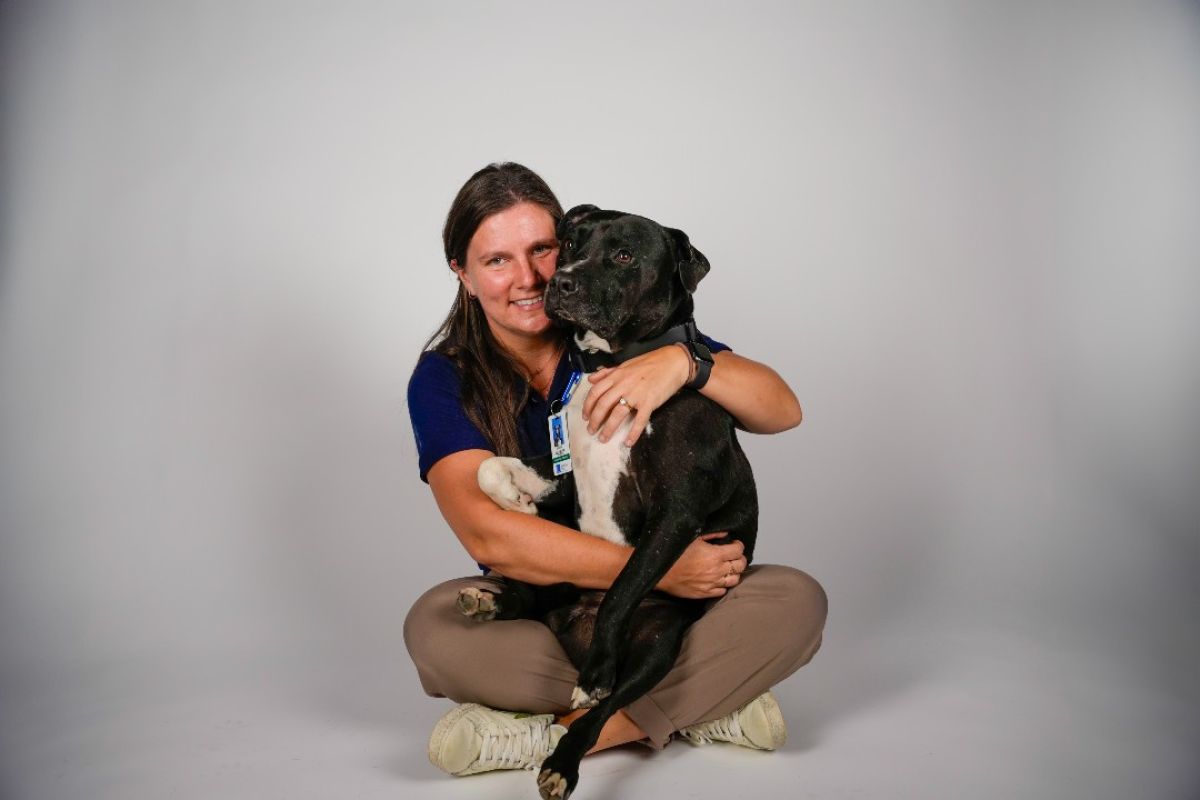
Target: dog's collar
x=592, y=360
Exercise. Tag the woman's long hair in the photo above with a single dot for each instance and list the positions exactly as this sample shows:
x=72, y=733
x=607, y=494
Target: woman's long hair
x=493, y=383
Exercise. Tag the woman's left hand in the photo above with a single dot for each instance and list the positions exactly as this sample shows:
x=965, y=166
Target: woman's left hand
x=644, y=383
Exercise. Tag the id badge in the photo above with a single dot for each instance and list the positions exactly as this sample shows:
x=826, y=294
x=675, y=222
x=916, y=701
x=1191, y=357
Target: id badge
x=560, y=445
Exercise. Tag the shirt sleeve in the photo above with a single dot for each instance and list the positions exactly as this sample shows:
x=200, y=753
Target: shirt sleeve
x=712, y=344
x=440, y=426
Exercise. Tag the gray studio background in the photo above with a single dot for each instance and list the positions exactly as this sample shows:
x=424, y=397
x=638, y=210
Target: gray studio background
x=965, y=232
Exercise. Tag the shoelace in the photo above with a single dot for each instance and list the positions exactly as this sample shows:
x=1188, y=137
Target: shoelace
x=516, y=748
x=726, y=729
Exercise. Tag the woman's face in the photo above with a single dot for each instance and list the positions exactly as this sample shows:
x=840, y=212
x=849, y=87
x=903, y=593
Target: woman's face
x=509, y=260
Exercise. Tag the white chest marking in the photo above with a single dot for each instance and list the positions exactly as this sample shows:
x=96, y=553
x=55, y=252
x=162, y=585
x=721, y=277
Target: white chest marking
x=598, y=466
x=590, y=341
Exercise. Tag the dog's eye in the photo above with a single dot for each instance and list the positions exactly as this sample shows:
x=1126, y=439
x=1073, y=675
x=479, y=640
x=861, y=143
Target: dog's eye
x=568, y=245
x=623, y=256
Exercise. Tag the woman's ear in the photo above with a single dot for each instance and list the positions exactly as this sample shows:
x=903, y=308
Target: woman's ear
x=462, y=277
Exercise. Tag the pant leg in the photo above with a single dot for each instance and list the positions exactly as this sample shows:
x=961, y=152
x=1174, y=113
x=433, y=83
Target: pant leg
x=516, y=665
x=761, y=631
x=757, y=634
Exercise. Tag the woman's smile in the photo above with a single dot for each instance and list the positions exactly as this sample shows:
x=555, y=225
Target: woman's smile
x=530, y=303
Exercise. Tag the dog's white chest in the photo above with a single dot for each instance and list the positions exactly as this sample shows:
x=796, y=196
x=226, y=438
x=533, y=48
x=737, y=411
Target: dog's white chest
x=598, y=466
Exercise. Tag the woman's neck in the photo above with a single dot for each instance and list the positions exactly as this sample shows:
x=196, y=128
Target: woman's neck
x=538, y=356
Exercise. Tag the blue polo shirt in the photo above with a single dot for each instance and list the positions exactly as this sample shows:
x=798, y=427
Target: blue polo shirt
x=441, y=427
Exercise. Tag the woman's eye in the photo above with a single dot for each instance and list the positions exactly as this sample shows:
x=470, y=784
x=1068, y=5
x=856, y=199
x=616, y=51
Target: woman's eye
x=623, y=256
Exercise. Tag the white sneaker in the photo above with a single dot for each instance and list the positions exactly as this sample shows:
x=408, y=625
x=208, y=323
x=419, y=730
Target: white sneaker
x=474, y=738
x=758, y=724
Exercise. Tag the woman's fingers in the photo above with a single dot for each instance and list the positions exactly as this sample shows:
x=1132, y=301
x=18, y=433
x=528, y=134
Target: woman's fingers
x=605, y=402
x=607, y=412
x=589, y=404
x=644, y=383
x=616, y=418
x=640, y=421
x=705, y=569
x=731, y=561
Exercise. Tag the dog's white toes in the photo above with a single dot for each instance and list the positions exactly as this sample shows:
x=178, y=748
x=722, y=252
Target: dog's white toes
x=581, y=699
x=522, y=503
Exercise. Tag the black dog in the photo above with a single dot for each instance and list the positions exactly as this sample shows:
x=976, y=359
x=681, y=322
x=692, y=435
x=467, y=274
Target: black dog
x=624, y=285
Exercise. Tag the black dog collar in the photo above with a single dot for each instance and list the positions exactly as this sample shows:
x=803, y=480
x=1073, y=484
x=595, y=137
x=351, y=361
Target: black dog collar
x=684, y=333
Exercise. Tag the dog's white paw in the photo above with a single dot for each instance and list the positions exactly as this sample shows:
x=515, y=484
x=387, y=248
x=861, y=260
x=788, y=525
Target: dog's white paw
x=511, y=484
x=581, y=699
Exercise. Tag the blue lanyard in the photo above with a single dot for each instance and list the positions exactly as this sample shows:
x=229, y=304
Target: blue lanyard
x=558, y=405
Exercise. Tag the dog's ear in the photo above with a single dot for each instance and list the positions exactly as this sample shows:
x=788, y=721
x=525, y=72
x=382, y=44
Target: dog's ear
x=573, y=216
x=690, y=262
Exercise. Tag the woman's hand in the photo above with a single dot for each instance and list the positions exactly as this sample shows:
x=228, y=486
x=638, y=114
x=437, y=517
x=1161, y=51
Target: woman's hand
x=705, y=570
x=644, y=382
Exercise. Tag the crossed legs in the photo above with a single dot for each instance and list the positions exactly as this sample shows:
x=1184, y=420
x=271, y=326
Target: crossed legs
x=761, y=631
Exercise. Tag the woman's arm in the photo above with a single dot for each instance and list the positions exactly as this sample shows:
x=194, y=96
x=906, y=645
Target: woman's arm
x=537, y=551
x=751, y=392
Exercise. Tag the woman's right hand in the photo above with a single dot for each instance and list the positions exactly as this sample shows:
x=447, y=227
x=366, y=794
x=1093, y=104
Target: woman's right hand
x=705, y=570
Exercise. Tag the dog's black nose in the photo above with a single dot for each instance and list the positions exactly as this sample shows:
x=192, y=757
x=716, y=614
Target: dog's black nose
x=563, y=284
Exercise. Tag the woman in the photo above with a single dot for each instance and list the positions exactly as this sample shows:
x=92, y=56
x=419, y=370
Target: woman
x=482, y=389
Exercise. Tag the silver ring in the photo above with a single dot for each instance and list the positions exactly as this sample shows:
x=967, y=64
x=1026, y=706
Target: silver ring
x=623, y=401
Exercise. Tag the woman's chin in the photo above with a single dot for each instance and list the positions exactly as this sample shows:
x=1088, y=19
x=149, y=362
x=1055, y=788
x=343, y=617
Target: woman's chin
x=531, y=327
x=538, y=323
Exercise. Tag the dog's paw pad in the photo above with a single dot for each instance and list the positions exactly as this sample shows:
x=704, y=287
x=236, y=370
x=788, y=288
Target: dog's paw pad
x=552, y=786
x=478, y=604
x=525, y=505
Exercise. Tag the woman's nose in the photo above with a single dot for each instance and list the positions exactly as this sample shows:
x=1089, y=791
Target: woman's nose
x=526, y=274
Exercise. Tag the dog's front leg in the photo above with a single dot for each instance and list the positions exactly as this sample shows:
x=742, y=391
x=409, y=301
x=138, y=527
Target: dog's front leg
x=656, y=635
x=661, y=546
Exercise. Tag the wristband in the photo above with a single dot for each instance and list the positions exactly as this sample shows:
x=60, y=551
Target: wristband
x=691, y=365
x=702, y=360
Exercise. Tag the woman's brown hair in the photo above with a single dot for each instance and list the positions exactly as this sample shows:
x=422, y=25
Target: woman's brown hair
x=493, y=384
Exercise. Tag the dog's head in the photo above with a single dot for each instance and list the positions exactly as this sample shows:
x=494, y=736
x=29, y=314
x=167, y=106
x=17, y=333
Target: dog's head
x=622, y=277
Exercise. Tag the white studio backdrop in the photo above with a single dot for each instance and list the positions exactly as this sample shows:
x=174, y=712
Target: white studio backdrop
x=965, y=232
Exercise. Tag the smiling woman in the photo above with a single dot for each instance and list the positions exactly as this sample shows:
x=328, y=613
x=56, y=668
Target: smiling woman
x=508, y=262
x=484, y=387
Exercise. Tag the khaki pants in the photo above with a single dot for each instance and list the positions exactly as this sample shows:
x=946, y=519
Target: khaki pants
x=760, y=632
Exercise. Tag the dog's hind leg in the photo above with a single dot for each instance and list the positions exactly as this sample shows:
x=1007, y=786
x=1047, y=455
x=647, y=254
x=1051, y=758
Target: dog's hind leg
x=649, y=656
x=517, y=600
